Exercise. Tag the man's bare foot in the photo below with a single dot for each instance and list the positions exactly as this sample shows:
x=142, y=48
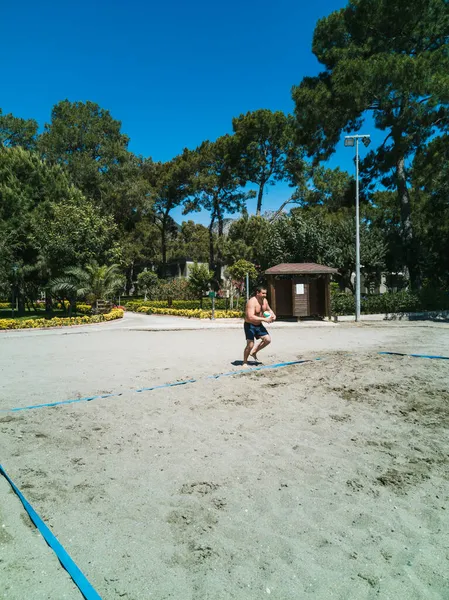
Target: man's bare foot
x=254, y=356
x=245, y=365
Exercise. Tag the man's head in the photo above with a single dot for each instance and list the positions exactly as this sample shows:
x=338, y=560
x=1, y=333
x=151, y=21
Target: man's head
x=261, y=292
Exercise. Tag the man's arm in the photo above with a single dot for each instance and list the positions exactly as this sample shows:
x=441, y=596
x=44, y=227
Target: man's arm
x=268, y=307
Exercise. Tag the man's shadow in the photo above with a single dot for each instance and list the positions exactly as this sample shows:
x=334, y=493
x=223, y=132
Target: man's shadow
x=252, y=363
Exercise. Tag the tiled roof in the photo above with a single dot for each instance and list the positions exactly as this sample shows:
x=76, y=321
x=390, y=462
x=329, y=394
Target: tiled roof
x=299, y=269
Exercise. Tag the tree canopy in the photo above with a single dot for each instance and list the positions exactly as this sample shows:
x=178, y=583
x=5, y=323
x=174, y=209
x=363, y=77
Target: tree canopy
x=389, y=59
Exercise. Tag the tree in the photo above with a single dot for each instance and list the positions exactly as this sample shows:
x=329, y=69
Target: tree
x=387, y=58
x=265, y=146
x=216, y=187
x=302, y=237
x=87, y=141
x=238, y=272
x=246, y=239
x=94, y=282
x=170, y=185
x=315, y=235
x=199, y=280
x=191, y=242
x=373, y=249
x=331, y=189
x=46, y=224
x=71, y=232
x=15, y=131
x=148, y=282
x=431, y=204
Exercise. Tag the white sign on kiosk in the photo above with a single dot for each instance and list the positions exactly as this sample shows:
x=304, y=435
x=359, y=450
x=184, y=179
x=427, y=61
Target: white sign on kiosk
x=300, y=288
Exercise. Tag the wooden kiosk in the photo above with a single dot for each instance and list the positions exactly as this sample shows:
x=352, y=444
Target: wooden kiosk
x=300, y=289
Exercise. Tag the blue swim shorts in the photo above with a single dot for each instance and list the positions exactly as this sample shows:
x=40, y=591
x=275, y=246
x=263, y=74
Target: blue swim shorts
x=254, y=331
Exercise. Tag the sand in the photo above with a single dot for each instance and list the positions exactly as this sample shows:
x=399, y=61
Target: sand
x=327, y=479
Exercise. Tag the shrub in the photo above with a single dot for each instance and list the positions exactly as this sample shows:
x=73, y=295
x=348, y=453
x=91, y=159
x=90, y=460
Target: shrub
x=220, y=304
x=191, y=313
x=393, y=302
x=59, y=322
x=5, y=305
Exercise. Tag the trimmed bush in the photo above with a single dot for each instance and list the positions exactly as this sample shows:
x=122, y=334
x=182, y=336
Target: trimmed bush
x=191, y=313
x=59, y=322
x=5, y=305
x=220, y=304
x=424, y=300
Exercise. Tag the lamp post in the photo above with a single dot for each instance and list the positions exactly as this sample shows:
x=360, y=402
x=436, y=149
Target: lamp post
x=351, y=141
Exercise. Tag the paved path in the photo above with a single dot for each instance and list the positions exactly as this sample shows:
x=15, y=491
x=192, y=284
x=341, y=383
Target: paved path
x=141, y=322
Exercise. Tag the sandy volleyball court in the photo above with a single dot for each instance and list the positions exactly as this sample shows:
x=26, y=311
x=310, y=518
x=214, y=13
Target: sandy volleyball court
x=327, y=479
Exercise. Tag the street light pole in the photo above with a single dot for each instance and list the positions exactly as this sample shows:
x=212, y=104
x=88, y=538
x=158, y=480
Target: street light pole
x=357, y=234
x=351, y=140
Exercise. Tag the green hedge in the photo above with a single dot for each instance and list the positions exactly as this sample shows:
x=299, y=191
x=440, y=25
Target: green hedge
x=59, y=322
x=425, y=300
x=220, y=304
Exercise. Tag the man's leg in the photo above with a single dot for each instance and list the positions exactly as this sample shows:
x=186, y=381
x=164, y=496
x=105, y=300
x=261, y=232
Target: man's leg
x=249, y=346
x=264, y=342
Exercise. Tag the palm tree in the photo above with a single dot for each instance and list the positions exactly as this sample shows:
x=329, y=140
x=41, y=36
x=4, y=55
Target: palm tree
x=94, y=282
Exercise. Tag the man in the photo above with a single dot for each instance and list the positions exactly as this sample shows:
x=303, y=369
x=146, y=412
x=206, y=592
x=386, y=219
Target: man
x=256, y=306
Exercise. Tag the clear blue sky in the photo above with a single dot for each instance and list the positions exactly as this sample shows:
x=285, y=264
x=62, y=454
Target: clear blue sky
x=174, y=73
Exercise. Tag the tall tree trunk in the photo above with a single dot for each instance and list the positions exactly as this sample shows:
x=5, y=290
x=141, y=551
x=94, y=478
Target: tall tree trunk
x=407, y=235
x=130, y=289
x=164, y=245
x=211, y=244
x=219, y=261
x=20, y=303
x=259, y=199
x=48, y=304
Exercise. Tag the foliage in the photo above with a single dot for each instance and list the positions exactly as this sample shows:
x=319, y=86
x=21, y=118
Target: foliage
x=220, y=304
x=45, y=223
x=265, y=149
x=94, y=282
x=246, y=239
x=389, y=59
x=199, y=280
x=389, y=303
x=59, y=322
x=170, y=184
x=87, y=141
x=192, y=313
x=301, y=237
x=174, y=289
x=216, y=187
x=191, y=242
x=241, y=268
x=15, y=131
x=148, y=281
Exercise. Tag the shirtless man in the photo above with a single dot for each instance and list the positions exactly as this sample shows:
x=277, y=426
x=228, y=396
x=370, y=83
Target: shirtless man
x=254, y=320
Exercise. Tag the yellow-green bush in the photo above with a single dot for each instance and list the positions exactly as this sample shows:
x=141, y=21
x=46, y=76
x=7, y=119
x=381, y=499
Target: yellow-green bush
x=5, y=305
x=195, y=313
x=86, y=309
x=59, y=322
x=82, y=308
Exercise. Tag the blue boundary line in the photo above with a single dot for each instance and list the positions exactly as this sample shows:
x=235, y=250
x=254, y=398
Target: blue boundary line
x=67, y=562
x=416, y=355
x=157, y=387
x=187, y=381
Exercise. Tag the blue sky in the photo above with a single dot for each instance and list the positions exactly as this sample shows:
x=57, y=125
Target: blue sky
x=174, y=73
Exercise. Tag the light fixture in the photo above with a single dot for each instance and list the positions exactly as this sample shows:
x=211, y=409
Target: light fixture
x=366, y=140
x=349, y=141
